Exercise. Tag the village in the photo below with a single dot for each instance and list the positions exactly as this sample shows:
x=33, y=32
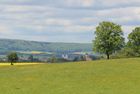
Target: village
x=70, y=57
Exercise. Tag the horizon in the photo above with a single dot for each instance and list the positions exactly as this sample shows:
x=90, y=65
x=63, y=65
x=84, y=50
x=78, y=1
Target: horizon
x=43, y=41
x=65, y=21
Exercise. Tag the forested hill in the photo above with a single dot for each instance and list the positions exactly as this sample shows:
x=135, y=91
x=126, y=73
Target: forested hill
x=22, y=45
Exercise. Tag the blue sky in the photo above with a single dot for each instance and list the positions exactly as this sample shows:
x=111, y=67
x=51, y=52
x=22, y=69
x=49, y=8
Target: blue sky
x=64, y=20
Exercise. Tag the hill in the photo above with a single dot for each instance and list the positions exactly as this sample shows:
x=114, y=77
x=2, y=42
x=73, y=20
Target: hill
x=119, y=76
x=7, y=45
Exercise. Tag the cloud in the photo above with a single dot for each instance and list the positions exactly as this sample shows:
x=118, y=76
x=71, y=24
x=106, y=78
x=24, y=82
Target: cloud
x=4, y=30
x=72, y=20
x=79, y=3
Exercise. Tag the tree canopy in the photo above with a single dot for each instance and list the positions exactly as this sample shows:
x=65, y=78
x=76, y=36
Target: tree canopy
x=12, y=57
x=109, y=38
x=134, y=41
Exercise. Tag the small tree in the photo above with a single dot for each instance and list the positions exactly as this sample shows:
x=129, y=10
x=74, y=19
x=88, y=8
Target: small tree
x=31, y=58
x=134, y=41
x=53, y=59
x=12, y=57
x=109, y=38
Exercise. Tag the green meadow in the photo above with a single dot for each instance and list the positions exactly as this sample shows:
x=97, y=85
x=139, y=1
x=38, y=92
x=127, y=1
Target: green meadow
x=117, y=76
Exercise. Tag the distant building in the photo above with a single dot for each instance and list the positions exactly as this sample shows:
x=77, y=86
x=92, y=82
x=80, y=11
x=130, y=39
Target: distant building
x=87, y=58
x=65, y=56
x=23, y=59
x=82, y=56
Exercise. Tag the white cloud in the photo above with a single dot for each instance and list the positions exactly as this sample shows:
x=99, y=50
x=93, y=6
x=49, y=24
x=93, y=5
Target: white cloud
x=78, y=28
x=118, y=3
x=58, y=22
x=4, y=30
x=82, y=3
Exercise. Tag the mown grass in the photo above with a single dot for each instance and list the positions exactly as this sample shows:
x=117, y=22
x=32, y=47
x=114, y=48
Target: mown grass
x=118, y=76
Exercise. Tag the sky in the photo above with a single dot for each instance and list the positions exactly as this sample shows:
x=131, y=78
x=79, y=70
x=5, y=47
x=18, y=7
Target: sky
x=64, y=20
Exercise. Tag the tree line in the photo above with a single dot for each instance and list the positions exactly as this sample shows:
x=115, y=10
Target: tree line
x=109, y=40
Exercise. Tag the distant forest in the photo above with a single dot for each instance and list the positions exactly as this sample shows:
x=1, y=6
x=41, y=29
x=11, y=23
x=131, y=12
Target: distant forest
x=8, y=45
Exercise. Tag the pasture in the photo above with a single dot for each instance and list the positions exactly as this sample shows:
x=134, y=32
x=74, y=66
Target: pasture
x=118, y=76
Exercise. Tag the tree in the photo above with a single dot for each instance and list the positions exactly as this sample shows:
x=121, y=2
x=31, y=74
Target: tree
x=76, y=58
x=53, y=59
x=12, y=57
x=31, y=58
x=134, y=41
x=109, y=38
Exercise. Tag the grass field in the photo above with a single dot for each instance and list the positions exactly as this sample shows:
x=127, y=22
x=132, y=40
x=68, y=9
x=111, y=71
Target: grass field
x=18, y=64
x=96, y=77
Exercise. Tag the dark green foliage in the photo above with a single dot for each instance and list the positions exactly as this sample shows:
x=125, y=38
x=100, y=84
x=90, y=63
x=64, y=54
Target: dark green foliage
x=123, y=53
x=31, y=58
x=12, y=57
x=76, y=59
x=128, y=52
x=134, y=41
x=62, y=60
x=52, y=59
x=83, y=58
x=109, y=38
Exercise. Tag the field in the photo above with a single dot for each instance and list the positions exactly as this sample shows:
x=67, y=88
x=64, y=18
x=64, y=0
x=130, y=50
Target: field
x=118, y=76
x=19, y=64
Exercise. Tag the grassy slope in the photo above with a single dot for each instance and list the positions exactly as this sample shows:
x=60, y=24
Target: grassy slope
x=98, y=77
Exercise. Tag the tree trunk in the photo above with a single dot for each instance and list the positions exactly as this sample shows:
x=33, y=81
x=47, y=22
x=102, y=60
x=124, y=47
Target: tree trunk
x=12, y=63
x=107, y=54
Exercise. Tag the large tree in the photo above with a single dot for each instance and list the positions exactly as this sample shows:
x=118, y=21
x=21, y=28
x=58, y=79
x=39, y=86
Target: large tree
x=12, y=57
x=134, y=41
x=109, y=38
